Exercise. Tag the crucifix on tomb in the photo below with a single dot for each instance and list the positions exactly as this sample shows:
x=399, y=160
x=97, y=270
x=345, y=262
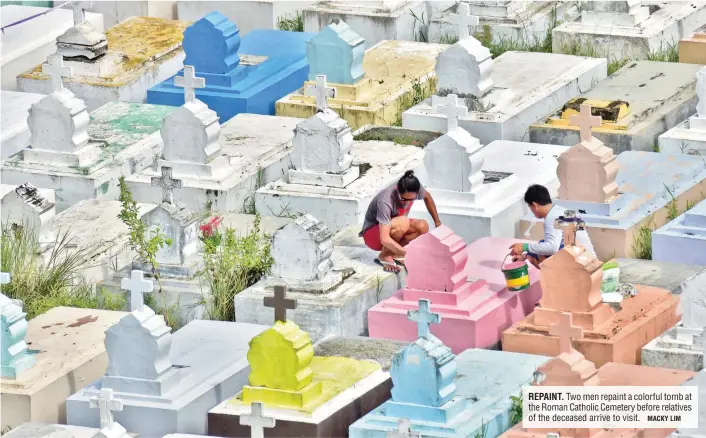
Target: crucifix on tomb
x=79, y=9
x=257, y=421
x=280, y=303
x=57, y=71
x=321, y=91
x=463, y=19
x=167, y=184
x=570, y=225
x=565, y=332
x=137, y=285
x=452, y=110
x=190, y=82
x=585, y=121
x=106, y=404
x=423, y=317
x=403, y=430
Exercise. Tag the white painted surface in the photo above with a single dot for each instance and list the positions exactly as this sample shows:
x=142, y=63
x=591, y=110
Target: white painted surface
x=14, y=112
x=41, y=430
x=190, y=134
x=302, y=250
x=453, y=162
x=28, y=44
x=683, y=140
x=31, y=208
x=117, y=11
x=465, y=69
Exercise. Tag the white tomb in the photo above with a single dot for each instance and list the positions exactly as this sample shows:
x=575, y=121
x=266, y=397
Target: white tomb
x=504, y=96
x=29, y=43
x=14, y=111
x=627, y=30
x=213, y=166
x=326, y=180
x=43, y=430
x=374, y=21
x=30, y=208
x=115, y=12
x=479, y=191
x=82, y=156
x=689, y=137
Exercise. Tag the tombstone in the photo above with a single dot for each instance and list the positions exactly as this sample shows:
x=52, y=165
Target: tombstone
x=329, y=295
x=321, y=91
x=691, y=48
x=28, y=207
x=14, y=354
x=82, y=40
x=689, y=136
x=107, y=404
x=15, y=135
x=257, y=421
x=137, y=285
x=178, y=224
x=437, y=272
x=337, y=53
x=243, y=74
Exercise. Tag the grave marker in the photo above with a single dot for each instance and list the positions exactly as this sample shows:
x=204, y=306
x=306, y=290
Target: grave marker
x=565, y=332
x=423, y=317
x=280, y=303
x=452, y=110
x=137, y=285
x=189, y=82
x=257, y=421
x=585, y=121
x=167, y=184
x=57, y=71
x=463, y=19
x=321, y=91
x=106, y=404
x=79, y=9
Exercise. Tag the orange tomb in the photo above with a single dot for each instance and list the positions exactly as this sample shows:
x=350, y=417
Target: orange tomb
x=692, y=49
x=571, y=368
x=571, y=282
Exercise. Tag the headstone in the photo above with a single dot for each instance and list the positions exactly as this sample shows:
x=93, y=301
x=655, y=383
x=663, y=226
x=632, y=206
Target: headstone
x=423, y=317
x=453, y=109
x=463, y=19
x=14, y=356
x=28, y=207
x=336, y=52
x=137, y=285
x=167, y=184
x=619, y=14
x=178, y=224
x=82, y=40
x=465, y=69
x=257, y=421
x=321, y=91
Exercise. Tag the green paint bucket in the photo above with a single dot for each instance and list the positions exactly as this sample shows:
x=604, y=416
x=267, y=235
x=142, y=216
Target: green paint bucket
x=516, y=274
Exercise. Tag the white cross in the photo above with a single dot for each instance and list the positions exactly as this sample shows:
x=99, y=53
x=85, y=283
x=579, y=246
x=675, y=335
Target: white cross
x=137, y=285
x=107, y=404
x=452, y=110
x=403, y=430
x=585, y=121
x=423, y=317
x=79, y=9
x=190, y=83
x=321, y=91
x=257, y=421
x=56, y=70
x=463, y=19
x=167, y=184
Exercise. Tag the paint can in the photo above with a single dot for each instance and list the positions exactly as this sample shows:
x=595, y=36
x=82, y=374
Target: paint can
x=516, y=274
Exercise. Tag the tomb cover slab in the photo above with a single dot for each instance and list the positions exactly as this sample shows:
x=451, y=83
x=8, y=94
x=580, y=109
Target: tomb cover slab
x=682, y=240
x=15, y=132
x=692, y=49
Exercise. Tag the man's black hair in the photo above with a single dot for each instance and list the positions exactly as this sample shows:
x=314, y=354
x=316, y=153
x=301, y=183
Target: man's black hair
x=538, y=194
x=408, y=183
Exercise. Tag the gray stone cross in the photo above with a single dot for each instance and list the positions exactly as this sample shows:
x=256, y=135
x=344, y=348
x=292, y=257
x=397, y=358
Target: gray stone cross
x=167, y=184
x=585, y=121
x=463, y=19
x=423, y=317
x=403, y=430
x=107, y=404
x=190, y=83
x=79, y=9
x=57, y=71
x=137, y=285
x=257, y=421
x=321, y=91
x=452, y=110
x=280, y=303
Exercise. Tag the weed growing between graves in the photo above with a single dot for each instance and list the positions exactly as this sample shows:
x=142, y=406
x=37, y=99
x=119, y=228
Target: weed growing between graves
x=515, y=409
x=58, y=282
x=670, y=53
x=249, y=203
x=233, y=263
x=420, y=91
x=295, y=24
x=146, y=243
x=642, y=244
x=672, y=206
x=421, y=28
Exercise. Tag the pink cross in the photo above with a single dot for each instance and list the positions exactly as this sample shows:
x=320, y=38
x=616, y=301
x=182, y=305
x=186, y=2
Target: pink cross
x=585, y=121
x=565, y=332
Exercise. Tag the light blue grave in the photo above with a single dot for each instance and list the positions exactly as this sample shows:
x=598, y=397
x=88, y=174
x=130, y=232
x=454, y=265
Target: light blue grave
x=14, y=357
x=337, y=52
x=243, y=75
x=438, y=394
x=682, y=240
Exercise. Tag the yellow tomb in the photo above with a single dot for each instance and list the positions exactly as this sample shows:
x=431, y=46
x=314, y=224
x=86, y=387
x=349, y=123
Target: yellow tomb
x=397, y=76
x=286, y=374
x=612, y=112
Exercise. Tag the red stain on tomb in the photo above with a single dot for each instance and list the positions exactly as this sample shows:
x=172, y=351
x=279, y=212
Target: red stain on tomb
x=85, y=320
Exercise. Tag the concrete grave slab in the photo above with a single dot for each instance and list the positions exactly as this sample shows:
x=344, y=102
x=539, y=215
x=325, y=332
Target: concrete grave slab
x=669, y=276
x=689, y=136
x=67, y=344
x=15, y=132
x=692, y=49
x=114, y=13
x=42, y=430
x=682, y=240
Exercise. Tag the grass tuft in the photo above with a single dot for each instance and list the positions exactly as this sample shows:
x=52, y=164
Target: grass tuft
x=293, y=24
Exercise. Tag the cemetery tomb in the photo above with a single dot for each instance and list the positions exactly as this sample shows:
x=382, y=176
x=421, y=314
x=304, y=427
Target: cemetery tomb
x=620, y=197
x=502, y=96
x=65, y=346
x=692, y=49
x=689, y=136
x=628, y=29
x=15, y=132
x=162, y=382
x=115, y=12
x=28, y=207
x=211, y=164
x=681, y=347
x=82, y=156
x=696, y=380
x=663, y=275
x=292, y=392
x=437, y=393
x=513, y=20
x=42, y=430
x=29, y=43
x=612, y=333
x=373, y=86
x=485, y=195
x=243, y=74
x=572, y=368
x=334, y=177
x=120, y=65
x=474, y=310
x=248, y=16
x=683, y=239
x=636, y=104
x=375, y=21
x=333, y=291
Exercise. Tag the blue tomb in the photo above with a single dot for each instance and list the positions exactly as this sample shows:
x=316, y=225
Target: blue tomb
x=243, y=75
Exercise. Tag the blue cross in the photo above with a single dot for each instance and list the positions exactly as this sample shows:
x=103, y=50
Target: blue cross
x=423, y=317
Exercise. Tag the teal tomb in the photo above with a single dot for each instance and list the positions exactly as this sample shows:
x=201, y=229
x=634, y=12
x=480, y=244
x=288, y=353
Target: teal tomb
x=14, y=356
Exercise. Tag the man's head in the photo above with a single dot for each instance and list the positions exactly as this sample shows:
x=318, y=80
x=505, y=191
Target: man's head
x=407, y=187
x=538, y=200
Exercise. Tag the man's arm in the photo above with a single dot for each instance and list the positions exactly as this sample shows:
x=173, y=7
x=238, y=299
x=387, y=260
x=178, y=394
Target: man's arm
x=552, y=241
x=388, y=242
x=431, y=208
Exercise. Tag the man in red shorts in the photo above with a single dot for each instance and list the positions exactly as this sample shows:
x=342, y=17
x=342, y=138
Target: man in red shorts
x=388, y=229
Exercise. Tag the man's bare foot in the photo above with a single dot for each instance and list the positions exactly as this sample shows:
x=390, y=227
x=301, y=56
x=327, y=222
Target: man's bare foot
x=388, y=263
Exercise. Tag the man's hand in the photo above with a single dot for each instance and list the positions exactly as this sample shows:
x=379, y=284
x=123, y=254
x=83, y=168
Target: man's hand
x=437, y=224
x=516, y=249
x=519, y=258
